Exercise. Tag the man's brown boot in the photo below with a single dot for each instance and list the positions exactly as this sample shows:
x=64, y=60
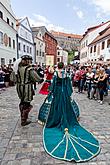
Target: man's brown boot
x=25, y=123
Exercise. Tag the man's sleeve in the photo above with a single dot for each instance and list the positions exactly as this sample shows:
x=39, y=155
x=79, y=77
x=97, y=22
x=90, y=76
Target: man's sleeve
x=35, y=77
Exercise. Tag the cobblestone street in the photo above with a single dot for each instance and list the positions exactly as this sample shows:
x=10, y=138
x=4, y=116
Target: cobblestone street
x=23, y=145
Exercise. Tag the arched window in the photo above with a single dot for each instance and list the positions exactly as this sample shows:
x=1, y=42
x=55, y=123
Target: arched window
x=91, y=50
x=103, y=45
x=95, y=48
x=108, y=43
x=1, y=15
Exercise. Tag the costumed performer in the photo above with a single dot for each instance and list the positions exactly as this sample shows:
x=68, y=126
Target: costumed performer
x=63, y=137
x=45, y=88
x=25, y=77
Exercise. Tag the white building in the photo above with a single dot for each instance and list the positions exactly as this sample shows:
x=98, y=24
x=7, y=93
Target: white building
x=99, y=49
x=88, y=37
x=76, y=59
x=8, y=48
x=62, y=55
x=40, y=56
x=25, y=39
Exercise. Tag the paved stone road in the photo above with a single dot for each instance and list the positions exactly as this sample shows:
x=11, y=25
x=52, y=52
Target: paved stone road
x=23, y=145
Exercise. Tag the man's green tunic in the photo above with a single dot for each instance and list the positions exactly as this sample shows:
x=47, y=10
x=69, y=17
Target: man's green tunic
x=25, y=78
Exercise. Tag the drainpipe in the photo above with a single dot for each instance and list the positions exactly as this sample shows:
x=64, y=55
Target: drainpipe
x=17, y=46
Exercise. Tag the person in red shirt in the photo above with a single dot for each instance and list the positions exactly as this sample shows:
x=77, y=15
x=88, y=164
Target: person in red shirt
x=82, y=79
x=45, y=88
x=77, y=78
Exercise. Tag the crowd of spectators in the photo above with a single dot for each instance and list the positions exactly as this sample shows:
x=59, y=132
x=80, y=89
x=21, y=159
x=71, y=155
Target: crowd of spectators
x=6, y=75
x=5, y=72
x=93, y=79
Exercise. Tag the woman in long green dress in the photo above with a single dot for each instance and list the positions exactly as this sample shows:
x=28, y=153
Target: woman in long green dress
x=63, y=137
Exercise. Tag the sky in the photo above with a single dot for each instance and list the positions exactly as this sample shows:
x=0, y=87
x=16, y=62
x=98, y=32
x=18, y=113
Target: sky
x=70, y=16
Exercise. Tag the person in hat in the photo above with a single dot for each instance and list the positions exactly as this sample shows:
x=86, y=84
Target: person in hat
x=26, y=76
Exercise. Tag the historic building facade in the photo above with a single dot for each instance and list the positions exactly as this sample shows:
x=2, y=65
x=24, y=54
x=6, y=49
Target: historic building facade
x=25, y=41
x=62, y=55
x=88, y=37
x=50, y=46
x=40, y=56
x=66, y=41
x=99, y=48
x=50, y=49
x=8, y=48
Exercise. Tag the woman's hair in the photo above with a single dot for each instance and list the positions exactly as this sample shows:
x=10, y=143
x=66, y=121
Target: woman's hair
x=98, y=71
x=60, y=65
x=102, y=70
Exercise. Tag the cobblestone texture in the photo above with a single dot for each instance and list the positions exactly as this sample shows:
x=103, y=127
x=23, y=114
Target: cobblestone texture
x=23, y=145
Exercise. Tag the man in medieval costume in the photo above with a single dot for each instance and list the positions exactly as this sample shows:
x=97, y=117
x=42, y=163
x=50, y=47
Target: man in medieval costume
x=26, y=76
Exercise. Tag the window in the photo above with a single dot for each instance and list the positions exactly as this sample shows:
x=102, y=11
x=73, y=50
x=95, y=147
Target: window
x=8, y=21
x=14, y=59
x=86, y=42
x=27, y=49
x=2, y=61
x=1, y=38
x=95, y=48
x=108, y=43
x=9, y=42
x=10, y=61
x=24, y=48
x=103, y=45
x=37, y=52
x=107, y=59
x=58, y=59
x=12, y=24
x=58, y=53
x=30, y=50
x=91, y=50
x=13, y=44
x=42, y=54
x=19, y=46
x=1, y=15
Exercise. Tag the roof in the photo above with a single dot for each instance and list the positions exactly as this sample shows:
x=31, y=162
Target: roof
x=90, y=29
x=20, y=20
x=44, y=30
x=57, y=34
x=7, y=5
x=59, y=47
x=35, y=29
x=102, y=34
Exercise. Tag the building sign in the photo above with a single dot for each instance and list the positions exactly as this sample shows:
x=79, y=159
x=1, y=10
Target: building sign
x=5, y=39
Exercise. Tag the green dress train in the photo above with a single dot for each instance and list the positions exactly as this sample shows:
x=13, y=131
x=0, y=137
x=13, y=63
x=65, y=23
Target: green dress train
x=63, y=137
